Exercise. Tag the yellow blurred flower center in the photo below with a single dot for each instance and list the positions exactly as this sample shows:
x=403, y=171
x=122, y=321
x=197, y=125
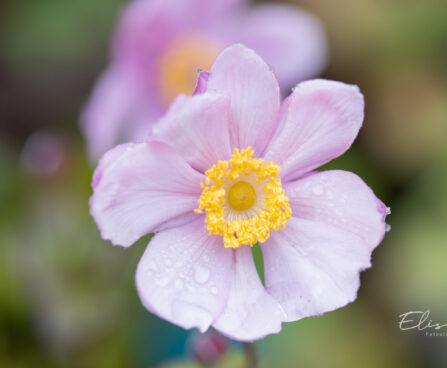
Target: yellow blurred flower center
x=180, y=63
x=241, y=196
x=243, y=199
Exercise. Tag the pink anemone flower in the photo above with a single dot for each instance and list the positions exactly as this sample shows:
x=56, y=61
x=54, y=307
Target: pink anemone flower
x=161, y=44
x=230, y=167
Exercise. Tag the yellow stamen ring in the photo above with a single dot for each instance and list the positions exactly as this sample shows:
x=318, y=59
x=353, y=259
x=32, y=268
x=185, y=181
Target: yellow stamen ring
x=255, y=203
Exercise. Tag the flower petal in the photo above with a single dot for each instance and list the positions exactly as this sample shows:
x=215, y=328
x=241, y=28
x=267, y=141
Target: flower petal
x=138, y=46
x=184, y=275
x=312, y=267
x=292, y=41
x=250, y=313
x=318, y=122
x=197, y=127
x=342, y=199
x=113, y=113
x=241, y=74
x=137, y=40
x=139, y=186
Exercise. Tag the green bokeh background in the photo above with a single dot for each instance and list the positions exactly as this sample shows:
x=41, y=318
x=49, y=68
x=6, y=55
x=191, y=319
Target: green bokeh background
x=67, y=298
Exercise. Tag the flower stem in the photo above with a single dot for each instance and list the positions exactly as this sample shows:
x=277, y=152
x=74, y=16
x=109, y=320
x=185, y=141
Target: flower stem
x=250, y=354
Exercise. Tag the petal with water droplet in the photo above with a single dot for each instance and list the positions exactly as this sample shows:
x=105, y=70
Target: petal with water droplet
x=182, y=295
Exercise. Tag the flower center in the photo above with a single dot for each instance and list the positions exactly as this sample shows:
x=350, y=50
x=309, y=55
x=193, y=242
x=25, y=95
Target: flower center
x=243, y=199
x=241, y=196
x=180, y=63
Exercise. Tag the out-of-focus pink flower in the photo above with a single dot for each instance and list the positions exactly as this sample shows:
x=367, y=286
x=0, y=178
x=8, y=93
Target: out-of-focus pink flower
x=208, y=348
x=43, y=154
x=161, y=44
x=317, y=229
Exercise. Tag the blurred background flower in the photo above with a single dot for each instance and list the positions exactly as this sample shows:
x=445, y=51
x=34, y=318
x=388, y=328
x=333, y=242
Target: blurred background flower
x=68, y=299
x=159, y=46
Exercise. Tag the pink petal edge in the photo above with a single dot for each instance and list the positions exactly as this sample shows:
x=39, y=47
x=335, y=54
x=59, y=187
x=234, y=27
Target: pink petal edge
x=245, y=78
x=138, y=187
x=318, y=122
x=251, y=313
x=184, y=276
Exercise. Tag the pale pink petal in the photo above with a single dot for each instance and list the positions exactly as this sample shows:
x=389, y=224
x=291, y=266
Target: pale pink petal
x=342, y=199
x=241, y=74
x=139, y=186
x=312, y=267
x=135, y=41
x=108, y=110
x=184, y=275
x=250, y=313
x=218, y=8
x=147, y=27
x=197, y=127
x=176, y=221
x=290, y=40
x=318, y=122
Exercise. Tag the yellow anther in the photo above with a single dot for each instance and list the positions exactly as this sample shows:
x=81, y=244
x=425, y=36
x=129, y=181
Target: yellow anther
x=239, y=217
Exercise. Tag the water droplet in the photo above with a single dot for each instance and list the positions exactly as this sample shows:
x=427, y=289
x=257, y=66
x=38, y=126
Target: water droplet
x=318, y=189
x=388, y=210
x=163, y=281
x=214, y=290
x=387, y=227
x=179, y=284
x=201, y=274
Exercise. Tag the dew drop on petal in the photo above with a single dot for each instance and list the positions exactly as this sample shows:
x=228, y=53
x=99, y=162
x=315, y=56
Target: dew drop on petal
x=163, y=281
x=318, y=189
x=201, y=274
x=179, y=284
x=214, y=290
